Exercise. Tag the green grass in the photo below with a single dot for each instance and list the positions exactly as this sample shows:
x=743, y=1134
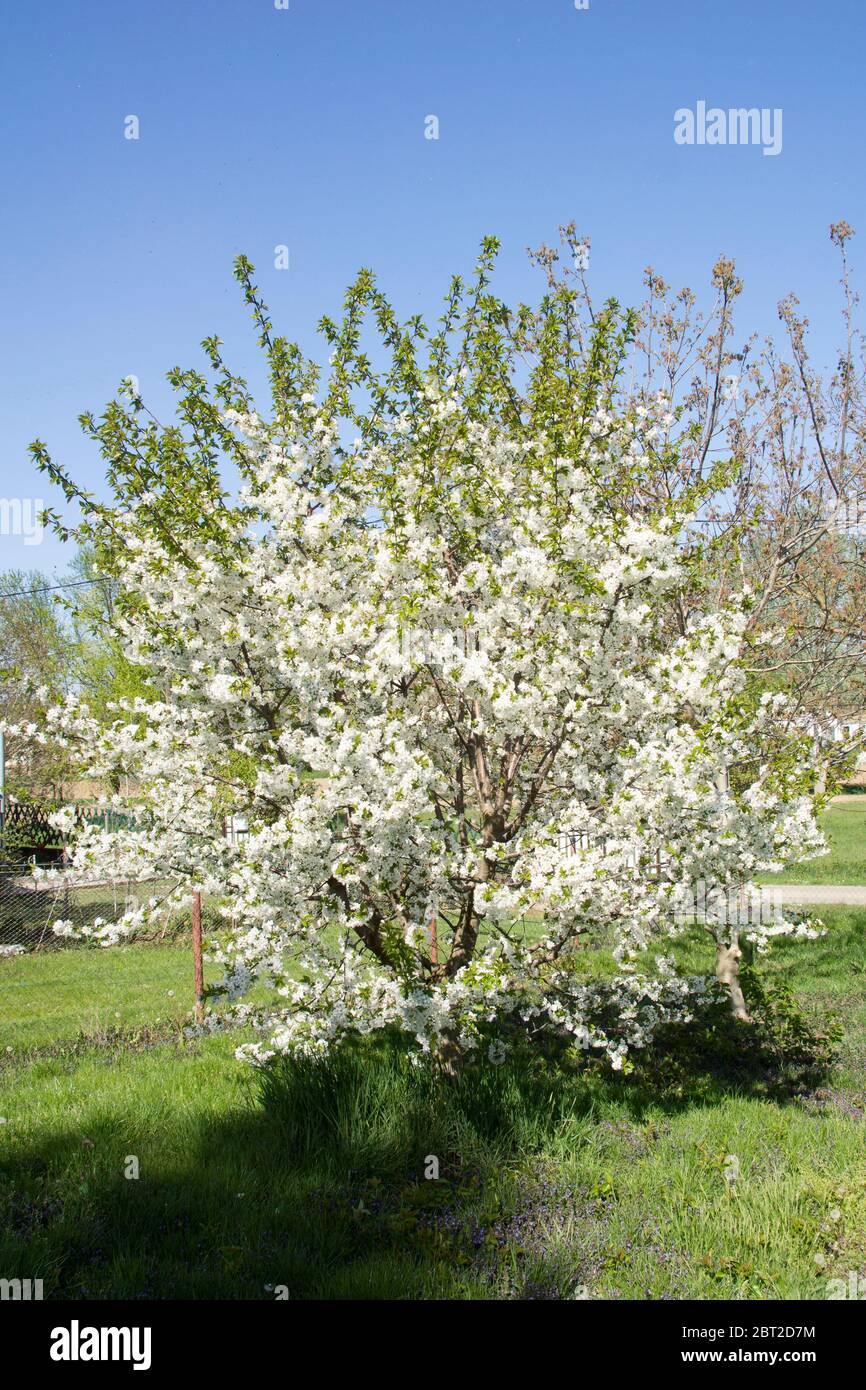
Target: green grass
x=844, y=825
x=552, y=1176
x=56, y=996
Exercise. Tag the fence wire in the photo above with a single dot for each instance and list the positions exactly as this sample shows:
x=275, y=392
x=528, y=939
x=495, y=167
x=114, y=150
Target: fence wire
x=29, y=908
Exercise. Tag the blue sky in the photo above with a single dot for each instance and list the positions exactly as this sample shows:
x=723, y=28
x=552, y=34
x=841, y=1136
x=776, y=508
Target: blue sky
x=305, y=127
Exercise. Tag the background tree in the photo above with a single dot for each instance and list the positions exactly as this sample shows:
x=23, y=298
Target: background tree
x=36, y=669
x=788, y=443
x=102, y=672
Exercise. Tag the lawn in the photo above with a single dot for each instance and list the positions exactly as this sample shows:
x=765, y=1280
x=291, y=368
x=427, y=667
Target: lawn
x=555, y=1180
x=57, y=996
x=844, y=825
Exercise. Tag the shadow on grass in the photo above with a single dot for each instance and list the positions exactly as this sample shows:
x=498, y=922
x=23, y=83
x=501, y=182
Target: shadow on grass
x=363, y=1176
x=369, y=1104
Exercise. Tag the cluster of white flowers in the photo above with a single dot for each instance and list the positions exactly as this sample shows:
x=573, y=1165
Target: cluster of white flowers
x=418, y=685
x=762, y=936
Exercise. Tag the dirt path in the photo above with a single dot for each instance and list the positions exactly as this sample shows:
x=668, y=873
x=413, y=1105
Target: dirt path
x=805, y=894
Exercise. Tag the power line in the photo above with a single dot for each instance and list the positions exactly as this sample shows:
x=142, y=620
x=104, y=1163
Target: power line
x=52, y=588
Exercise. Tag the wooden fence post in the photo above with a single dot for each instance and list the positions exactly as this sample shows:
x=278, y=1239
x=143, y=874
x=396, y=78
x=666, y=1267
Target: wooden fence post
x=196, y=957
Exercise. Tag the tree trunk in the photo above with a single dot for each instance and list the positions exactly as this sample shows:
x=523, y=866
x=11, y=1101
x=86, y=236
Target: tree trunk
x=728, y=973
x=449, y=1055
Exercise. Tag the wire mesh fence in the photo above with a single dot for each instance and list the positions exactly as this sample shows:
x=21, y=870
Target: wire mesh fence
x=723, y=905
x=53, y=999
x=702, y=902
x=29, y=907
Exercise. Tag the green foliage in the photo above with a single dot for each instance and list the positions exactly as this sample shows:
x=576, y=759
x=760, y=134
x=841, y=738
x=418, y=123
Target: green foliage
x=36, y=669
x=539, y=371
x=103, y=673
x=788, y=1036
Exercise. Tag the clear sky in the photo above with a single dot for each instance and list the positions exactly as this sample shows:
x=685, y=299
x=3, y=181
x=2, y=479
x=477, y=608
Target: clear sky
x=305, y=127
